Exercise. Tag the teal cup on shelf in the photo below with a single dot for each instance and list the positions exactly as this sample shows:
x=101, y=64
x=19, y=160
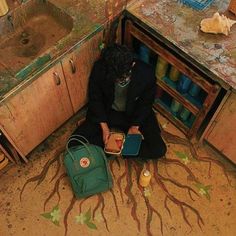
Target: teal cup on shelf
x=194, y=90
x=183, y=84
x=144, y=53
x=184, y=114
x=175, y=106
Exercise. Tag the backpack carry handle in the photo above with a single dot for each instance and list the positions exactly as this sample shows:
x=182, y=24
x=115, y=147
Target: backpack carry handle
x=78, y=136
x=80, y=142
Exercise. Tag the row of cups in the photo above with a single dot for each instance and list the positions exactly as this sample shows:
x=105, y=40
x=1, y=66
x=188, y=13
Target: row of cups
x=184, y=84
x=179, y=110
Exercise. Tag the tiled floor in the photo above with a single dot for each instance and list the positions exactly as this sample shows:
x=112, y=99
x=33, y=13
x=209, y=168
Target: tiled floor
x=185, y=196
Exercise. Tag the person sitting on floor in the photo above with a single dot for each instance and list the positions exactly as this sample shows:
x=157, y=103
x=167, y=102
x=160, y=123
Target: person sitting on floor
x=121, y=93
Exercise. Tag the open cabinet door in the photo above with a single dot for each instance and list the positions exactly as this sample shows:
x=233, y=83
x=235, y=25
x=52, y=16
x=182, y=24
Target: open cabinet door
x=32, y=114
x=222, y=133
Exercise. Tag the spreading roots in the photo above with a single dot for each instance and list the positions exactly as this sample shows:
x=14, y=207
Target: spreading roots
x=128, y=169
x=39, y=178
x=174, y=139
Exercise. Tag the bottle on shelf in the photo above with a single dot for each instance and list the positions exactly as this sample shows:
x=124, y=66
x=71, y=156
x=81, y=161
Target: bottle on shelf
x=144, y=53
x=174, y=74
x=183, y=84
x=184, y=114
x=161, y=67
x=175, y=106
x=194, y=90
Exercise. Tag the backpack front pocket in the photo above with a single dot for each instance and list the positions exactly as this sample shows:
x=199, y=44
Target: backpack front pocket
x=91, y=182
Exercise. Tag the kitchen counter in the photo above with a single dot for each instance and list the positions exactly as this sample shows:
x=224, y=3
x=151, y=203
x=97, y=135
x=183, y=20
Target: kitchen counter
x=88, y=17
x=177, y=26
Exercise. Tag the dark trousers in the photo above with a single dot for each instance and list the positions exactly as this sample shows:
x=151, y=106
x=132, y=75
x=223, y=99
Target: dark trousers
x=152, y=147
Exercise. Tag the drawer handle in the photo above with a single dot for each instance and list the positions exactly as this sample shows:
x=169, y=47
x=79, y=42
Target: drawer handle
x=57, y=78
x=73, y=67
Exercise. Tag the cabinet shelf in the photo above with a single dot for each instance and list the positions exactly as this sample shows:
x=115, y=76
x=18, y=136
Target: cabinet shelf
x=196, y=101
x=198, y=105
x=179, y=97
x=160, y=105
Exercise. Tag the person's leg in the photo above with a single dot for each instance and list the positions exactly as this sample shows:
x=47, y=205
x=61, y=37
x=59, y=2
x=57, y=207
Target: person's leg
x=153, y=146
x=92, y=132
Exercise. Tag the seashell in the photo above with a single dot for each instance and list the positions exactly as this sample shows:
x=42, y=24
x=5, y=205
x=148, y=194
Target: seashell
x=3, y=8
x=217, y=24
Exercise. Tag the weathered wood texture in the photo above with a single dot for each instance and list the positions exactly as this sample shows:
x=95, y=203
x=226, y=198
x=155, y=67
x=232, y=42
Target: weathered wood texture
x=221, y=134
x=35, y=112
x=77, y=67
x=178, y=27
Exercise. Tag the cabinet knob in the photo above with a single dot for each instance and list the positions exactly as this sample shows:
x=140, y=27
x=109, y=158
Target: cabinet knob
x=57, y=78
x=73, y=67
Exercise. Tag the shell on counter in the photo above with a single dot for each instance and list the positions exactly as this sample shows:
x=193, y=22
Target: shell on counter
x=217, y=24
x=3, y=8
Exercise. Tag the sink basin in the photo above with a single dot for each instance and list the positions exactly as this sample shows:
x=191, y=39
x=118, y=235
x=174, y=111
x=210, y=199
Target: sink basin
x=29, y=31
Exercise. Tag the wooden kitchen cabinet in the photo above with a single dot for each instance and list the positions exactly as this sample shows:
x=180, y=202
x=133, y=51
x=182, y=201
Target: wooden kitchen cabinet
x=77, y=67
x=28, y=117
x=183, y=110
x=221, y=133
x=38, y=109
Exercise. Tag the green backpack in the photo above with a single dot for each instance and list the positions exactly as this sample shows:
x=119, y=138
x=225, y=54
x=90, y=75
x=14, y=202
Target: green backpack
x=86, y=166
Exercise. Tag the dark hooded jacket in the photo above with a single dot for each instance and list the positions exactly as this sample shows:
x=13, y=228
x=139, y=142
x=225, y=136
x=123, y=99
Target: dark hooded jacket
x=140, y=97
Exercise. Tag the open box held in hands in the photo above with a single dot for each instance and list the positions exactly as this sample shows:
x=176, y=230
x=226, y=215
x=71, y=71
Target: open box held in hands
x=128, y=145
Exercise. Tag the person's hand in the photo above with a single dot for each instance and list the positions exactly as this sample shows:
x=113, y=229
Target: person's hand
x=105, y=132
x=105, y=135
x=134, y=130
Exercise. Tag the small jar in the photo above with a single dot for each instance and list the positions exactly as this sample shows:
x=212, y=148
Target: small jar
x=161, y=67
x=144, y=53
x=183, y=84
x=184, y=114
x=175, y=106
x=194, y=90
x=174, y=74
x=145, y=178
